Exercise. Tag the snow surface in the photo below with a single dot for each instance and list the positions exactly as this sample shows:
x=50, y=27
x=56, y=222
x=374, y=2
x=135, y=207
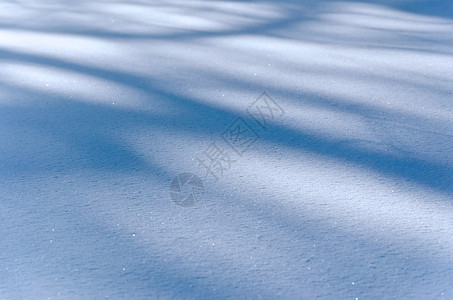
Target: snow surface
x=348, y=195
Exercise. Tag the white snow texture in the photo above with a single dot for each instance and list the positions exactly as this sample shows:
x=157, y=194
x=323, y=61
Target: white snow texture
x=343, y=188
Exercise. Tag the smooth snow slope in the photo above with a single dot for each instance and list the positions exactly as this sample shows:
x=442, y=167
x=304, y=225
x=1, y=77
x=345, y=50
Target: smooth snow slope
x=348, y=194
